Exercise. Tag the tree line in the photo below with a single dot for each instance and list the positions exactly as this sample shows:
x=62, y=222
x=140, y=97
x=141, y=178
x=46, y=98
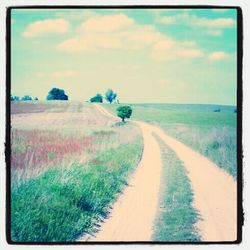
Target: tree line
x=59, y=94
x=110, y=96
x=24, y=98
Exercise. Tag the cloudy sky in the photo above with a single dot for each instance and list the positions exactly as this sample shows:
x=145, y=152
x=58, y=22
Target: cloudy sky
x=145, y=55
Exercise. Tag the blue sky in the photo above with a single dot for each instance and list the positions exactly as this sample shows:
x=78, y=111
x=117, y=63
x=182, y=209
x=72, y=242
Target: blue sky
x=145, y=55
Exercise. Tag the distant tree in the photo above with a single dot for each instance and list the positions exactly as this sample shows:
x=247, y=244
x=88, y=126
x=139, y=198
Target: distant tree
x=96, y=98
x=14, y=98
x=57, y=94
x=124, y=112
x=26, y=98
x=110, y=95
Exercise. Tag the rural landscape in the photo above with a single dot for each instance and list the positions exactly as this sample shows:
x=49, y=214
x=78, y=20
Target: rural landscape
x=110, y=141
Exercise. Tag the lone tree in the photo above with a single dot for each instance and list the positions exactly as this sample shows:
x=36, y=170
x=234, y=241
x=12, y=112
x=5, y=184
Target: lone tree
x=57, y=94
x=96, y=98
x=110, y=95
x=124, y=112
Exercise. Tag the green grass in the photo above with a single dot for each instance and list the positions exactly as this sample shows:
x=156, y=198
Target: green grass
x=213, y=134
x=176, y=218
x=63, y=203
x=68, y=165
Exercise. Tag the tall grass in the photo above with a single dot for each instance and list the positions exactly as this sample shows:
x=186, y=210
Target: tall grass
x=64, y=203
x=215, y=142
x=34, y=150
x=176, y=217
x=67, y=168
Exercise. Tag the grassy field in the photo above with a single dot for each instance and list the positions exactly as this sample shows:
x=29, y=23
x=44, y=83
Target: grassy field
x=213, y=134
x=68, y=165
x=176, y=218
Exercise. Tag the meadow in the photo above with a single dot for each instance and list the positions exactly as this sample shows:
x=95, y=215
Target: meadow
x=68, y=165
x=213, y=134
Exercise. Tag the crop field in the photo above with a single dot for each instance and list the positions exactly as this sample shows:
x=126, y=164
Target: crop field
x=213, y=134
x=68, y=165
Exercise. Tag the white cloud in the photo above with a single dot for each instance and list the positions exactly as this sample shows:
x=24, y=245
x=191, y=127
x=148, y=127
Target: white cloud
x=163, y=45
x=214, y=32
x=76, y=14
x=48, y=26
x=190, y=53
x=111, y=32
x=170, y=49
x=90, y=43
x=192, y=20
x=167, y=20
x=108, y=23
x=219, y=10
x=65, y=73
x=216, y=23
x=119, y=32
x=218, y=55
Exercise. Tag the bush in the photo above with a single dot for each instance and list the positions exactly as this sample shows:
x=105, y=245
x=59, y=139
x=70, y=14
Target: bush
x=217, y=110
x=57, y=94
x=96, y=98
x=124, y=112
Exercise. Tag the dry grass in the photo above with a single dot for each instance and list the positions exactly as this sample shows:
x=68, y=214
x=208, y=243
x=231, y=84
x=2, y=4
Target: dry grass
x=68, y=164
x=45, y=139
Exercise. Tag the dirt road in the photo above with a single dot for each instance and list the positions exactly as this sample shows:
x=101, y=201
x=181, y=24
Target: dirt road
x=214, y=194
x=132, y=216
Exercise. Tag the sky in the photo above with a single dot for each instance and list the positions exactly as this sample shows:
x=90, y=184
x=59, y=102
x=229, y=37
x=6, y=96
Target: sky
x=144, y=55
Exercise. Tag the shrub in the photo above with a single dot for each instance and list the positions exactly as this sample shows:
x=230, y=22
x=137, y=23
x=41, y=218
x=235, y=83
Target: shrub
x=124, y=112
x=96, y=98
x=217, y=110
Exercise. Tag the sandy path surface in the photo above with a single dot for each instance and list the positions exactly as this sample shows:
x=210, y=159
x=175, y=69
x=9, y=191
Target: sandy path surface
x=214, y=190
x=133, y=214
